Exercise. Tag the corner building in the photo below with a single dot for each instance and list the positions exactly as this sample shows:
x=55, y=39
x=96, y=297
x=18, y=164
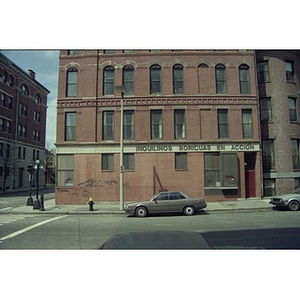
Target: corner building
x=23, y=110
x=191, y=123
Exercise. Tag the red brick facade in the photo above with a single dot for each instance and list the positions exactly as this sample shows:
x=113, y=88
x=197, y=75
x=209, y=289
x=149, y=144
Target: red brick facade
x=207, y=142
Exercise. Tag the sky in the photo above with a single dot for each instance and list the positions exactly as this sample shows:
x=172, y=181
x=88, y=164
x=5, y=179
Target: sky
x=45, y=64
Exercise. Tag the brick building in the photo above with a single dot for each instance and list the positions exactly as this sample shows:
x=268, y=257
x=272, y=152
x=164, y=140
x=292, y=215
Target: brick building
x=23, y=105
x=191, y=123
x=279, y=89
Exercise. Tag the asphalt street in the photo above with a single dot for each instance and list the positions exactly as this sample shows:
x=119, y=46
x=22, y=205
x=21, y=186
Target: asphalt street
x=268, y=229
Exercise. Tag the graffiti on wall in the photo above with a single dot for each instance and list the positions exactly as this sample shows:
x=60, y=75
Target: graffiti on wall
x=84, y=188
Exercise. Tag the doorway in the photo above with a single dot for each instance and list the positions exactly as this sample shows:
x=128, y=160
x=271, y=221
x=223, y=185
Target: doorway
x=250, y=158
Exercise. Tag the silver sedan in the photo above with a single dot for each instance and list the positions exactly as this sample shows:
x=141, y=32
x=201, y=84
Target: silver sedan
x=291, y=201
x=166, y=202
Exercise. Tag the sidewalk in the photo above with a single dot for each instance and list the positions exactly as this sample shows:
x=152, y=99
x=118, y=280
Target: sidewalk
x=113, y=207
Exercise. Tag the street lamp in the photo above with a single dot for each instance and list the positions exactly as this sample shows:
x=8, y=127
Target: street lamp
x=121, y=89
x=37, y=204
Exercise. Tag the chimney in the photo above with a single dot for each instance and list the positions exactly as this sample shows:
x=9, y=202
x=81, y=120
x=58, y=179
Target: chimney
x=31, y=74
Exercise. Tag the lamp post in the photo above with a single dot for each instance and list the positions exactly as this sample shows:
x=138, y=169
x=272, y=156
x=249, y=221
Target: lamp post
x=37, y=203
x=121, y=89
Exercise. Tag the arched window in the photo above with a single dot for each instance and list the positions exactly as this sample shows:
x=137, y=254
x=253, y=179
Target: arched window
x=155, y=79
x=72, y=82
x=4, y=77
x=128, y=79
x=244, y=79
x=203, y=66
x=11, y=80
x=178, y=79
x=38, y=99
x=24, y=90
x=109, y=80
x=220, y=79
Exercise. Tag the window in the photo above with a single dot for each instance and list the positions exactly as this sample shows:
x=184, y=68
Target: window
x=8, y=126
x=155, y=79
x=4, y=77
x=36, y=116
x=265, y=109
x=107, y=161
x=268, y=155
x=109, y=51
x=292, y=109
x=38, y=99
x=108, y=125
x=36, y=135
x=10, y=101
x=220, y=79
x=19, y=152
x=128, y=80
x=11, y=81
x=263, y=71
x=247, y=123
x=221, y=170
x=128, y=124
x=72, y=81
x=73, y=52
x=289, y=71
x=244, y=79
x=70, y=126
x=212, y=170
x=24, y=153
x=156, y=124
x=109, y=80
x=223, y=123
x=2, y=124
x=181, y=161
x=178, y=79
x=65, y=170
x=295, y=154
x=179, y=116
x=128, y=161
x=269, y=187
x=24, y=90
x=3, y=99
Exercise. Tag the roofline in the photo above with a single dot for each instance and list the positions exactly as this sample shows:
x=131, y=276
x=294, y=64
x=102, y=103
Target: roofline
x=22, y=71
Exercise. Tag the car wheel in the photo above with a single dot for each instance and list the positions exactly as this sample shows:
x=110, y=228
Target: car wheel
x=293, y=205
x=189, y=210
x=141, y=212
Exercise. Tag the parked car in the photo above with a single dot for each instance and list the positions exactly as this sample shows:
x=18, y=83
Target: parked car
x=291, y=201
x=166, y=202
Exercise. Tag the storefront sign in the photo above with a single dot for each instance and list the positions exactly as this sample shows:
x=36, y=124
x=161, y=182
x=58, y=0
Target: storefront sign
x=199, y=147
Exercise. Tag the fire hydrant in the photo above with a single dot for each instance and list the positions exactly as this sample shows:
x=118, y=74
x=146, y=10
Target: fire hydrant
x=91, y=204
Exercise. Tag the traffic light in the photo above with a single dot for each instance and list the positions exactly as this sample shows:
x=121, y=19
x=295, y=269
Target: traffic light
x=29, y=169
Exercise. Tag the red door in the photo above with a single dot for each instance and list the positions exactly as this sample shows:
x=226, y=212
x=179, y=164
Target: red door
x=250, y=183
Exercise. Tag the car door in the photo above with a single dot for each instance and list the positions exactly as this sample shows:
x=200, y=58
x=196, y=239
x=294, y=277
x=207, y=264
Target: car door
x=160, y=203
x=177, y=202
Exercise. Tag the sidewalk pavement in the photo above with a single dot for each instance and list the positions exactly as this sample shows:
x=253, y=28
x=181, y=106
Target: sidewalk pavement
x=113, y=207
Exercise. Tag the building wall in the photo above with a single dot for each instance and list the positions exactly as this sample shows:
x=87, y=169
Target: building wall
x=27, y=117
x=283, y=177
x=154, y=167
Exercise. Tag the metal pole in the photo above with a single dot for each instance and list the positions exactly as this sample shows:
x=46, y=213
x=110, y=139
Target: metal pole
x=121, y=157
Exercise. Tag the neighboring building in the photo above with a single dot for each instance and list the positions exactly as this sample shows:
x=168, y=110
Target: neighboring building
x=50, y=166
x=279, y=89
x=23, y=105
x=191, y=123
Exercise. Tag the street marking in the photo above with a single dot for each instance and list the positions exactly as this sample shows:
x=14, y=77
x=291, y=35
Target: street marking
x=29, y=228
x=6, y=208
